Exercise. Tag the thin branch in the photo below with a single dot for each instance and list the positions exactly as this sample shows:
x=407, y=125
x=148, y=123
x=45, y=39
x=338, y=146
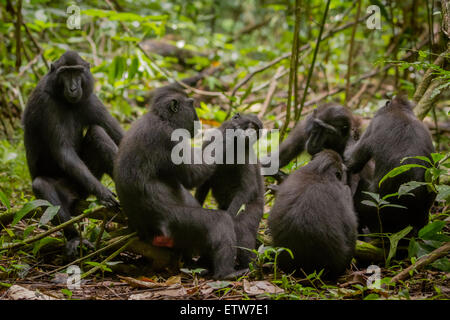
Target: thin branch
x=112, y=256
x=311, y=69
x=350, y=53
x=18, y=35
x=292, y=89
x=270, y=92
x=92, y=254
x=48, y=232
x=249, y=29
x=422, y=262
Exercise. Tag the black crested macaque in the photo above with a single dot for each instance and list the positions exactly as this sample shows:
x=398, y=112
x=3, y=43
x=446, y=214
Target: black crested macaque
x=239, y=189
x=313, y=216
x=153, y=190
x=64, y=164
x=330, y=126
x=393, y=134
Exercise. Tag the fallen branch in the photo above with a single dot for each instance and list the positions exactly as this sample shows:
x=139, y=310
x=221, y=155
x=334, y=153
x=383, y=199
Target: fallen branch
x=48, y=232
x=114, y=243
x=8, y=216
x=112, y=256
x=367, y=252
x=422, y=262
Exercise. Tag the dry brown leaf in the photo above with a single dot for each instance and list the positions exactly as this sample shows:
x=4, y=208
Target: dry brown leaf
x=142, y=284
x=16, y=292
x=170, y=292
x=173, y=280
x=260, y=287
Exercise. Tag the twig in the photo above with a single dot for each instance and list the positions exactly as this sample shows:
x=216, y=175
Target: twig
x=112, y=256
x=48, y=232
x=102, y=230
x=18, y=35
x=355, y=99
x=311, y=69
x=270, y=92
x=249, y=29
x=292, y=89
x=267, y=83
x=30, y=64
x=350, y=53
x=97, y=252
x=295, y=58
x=305, y=47
x=422, y=262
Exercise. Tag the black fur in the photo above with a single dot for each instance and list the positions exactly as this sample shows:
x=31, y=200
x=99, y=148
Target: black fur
x=64, y=164
x=313, y=216
x=154, y=191
x=235, y=185
x=394, y=133
x=331, y=126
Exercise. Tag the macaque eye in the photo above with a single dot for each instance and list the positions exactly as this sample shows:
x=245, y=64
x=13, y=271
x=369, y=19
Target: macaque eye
x=236, y=116
x=338, y=175
x=174, y=106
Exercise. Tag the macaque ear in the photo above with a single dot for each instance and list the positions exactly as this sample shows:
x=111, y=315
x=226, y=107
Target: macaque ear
x=52, y=67
x=174, y=106
x=88, y=65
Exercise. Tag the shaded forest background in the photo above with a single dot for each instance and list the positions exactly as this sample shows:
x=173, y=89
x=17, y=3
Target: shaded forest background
x=276, y=59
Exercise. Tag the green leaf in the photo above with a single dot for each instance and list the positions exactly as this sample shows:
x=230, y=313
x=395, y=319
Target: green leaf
x=28, y=207
x=219, y=284
x=442, y=264
x=48, y=215
x=409, y=186
x=372, y=296
x=39, y=244
x=431, y=230
x=4, y=199
x=374, y=196
x=443, y=193
x=396, y=171
x=413, y=248
x=437, y=157
x=28, y=230
x=134, y=66
x=369, y=203
x=394, y=239
x=390, y=196
x=391, y=205
x=67, y=293
x=423, y=158
x=126, y=39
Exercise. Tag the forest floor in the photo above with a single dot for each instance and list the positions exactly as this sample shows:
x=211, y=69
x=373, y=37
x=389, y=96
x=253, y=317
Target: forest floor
x=131, y=277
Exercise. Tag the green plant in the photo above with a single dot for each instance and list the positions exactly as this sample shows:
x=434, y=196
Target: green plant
x=267, y=255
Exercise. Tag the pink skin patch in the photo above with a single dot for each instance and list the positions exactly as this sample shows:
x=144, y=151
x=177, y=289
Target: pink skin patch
x=162, y=241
